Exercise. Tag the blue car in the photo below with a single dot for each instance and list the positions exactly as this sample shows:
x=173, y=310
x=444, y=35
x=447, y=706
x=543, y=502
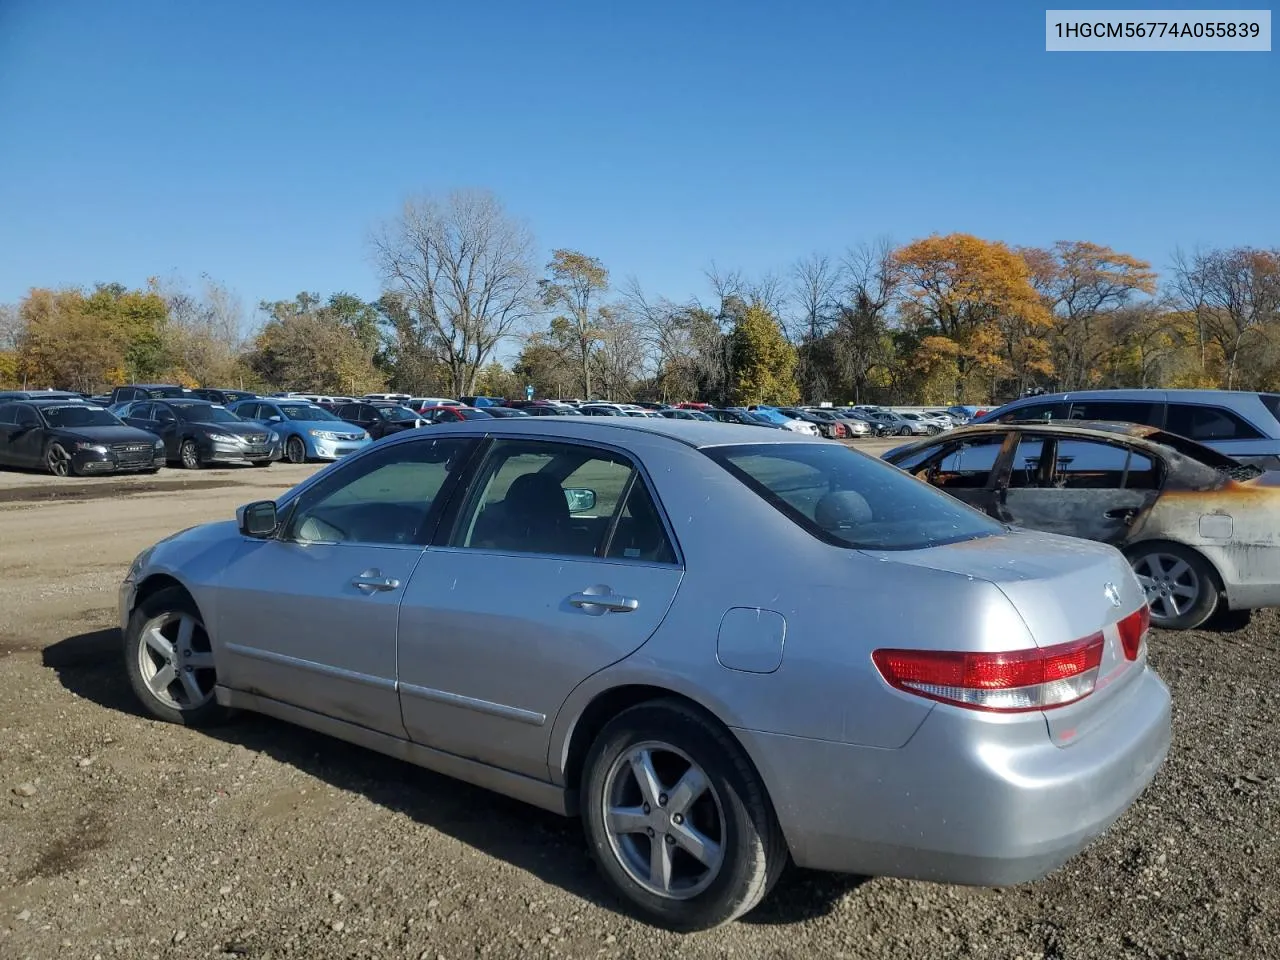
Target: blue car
x=307, y=431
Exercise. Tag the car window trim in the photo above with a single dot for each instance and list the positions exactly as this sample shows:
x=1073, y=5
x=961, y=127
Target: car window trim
x=447, y=534
x=430, y=525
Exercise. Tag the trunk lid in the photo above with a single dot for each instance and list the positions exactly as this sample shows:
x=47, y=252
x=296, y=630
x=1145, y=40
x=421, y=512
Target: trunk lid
x=1065, y=589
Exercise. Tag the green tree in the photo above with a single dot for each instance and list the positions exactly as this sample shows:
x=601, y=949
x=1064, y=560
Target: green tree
x=763, y=362
x=575, y=285
x=307, y=346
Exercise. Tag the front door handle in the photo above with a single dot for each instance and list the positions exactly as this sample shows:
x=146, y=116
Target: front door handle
x=372, y=581
x=1121, y=513
x=603, y=600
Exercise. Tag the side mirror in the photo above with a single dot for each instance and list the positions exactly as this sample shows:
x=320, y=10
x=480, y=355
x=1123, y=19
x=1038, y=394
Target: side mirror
x=580, y=499
x=258, y=519
x=275, y=418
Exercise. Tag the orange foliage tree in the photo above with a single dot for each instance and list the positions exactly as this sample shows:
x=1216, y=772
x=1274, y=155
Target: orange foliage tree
x=974, y=301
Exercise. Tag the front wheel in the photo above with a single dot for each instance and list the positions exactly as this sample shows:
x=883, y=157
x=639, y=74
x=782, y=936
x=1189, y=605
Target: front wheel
x=904, y=432
x=295, y=451
x=169, y=660
x=1181, y=587
x=58, y=461
x=189, y=454
x=678, y=819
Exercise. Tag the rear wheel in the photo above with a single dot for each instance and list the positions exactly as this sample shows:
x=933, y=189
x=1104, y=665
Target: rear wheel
x=678, y=819
x=1181, y=587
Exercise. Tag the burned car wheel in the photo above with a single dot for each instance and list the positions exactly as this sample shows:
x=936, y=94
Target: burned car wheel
x=1182, y=588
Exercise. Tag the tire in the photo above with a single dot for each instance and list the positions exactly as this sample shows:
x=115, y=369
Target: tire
x=158, y=621
x=295, y=451
x=58, y=462
x=904, y=432
x=733, y=808
x=1183, y=590
x=189, y=455
x=262, y=463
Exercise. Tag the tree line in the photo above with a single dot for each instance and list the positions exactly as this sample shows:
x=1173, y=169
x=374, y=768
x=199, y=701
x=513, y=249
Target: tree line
x=941, y=319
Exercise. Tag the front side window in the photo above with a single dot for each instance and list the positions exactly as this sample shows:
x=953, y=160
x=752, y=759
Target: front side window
x=851, y=500
x=1035, y=411
x=563, y=500
x=1119, y=411
x=389, y=497
x=969, y=466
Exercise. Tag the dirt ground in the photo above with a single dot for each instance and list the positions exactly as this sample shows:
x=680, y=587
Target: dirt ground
x=122, y=837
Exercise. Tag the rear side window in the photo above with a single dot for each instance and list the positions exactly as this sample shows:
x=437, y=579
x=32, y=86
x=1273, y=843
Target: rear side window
x=1206, y=424
x=1119, y=411
x=851, y=500
x=1088, y=465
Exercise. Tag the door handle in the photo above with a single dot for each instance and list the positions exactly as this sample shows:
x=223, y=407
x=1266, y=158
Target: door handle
x=372, y=581
x=1121, y=513
x=603, y=599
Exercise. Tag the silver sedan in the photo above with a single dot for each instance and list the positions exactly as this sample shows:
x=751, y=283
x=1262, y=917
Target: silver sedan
x=639, y=620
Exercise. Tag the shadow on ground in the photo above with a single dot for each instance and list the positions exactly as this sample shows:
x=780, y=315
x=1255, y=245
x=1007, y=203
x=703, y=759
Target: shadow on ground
x=550, y=847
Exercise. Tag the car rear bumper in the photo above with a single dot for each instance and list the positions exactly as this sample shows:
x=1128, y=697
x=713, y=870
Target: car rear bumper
x=970, y=802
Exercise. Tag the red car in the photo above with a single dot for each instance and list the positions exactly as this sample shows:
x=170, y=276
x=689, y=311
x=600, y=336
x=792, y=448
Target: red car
x=452, y=414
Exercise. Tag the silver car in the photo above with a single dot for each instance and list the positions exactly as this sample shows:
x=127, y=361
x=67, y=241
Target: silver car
x=637, y=620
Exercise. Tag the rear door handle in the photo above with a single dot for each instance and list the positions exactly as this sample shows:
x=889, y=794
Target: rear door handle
x=371, y=581
x=606, y=601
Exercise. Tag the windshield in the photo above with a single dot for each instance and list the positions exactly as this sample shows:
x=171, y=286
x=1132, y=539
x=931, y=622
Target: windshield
x=305, y=411
x=475, y=415
x=396, y=414
x=205, y=413
x=769, y=416
x=852, y=500
x=159, y=393
x=79, y=415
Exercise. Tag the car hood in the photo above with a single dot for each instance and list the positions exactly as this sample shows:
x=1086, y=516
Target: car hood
x=1058, y=584
x=332, y=426
x=108, y=434
x=235, y=429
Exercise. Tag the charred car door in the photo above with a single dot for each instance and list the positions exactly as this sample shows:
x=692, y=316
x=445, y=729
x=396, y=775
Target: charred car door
x=967, y=469
x=1087, y=488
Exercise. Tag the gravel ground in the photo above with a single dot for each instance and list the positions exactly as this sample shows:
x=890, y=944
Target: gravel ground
x=124, y=837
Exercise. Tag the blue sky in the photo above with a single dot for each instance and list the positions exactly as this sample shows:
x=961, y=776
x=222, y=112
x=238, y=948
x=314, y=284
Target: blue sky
x=260, y=142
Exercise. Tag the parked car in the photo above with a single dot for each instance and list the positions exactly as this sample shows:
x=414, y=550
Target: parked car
x=401, y=398
x=197, y=433
x=379, y=418
x=224, y=397
x=66, y=396
x=854, y=425
x=497, y=411
x=1241, y=424
x=601, y=410
x=70, y=438
x=1201, y=529
x=736, y=416
x=900, y=425
x=150, y=391
x=481, y=401
x=541, y=409
x=771, y=415
x=625, y=672
x=828, y=424
x=306, y=430
x=454, y=414
x=421, y=403
x=683, y=413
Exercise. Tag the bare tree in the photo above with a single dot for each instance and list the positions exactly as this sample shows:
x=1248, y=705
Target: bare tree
x=10, y=326
x=1234, y=295
x=663, y=326
x=619, y=360
x=871, y=280
x=575, y=284
x=206, y=327
x=462, y=270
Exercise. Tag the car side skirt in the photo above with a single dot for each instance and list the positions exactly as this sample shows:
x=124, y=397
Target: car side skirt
x=547, y=796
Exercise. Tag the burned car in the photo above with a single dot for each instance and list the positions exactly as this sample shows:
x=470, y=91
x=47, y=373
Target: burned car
x=1201, y=530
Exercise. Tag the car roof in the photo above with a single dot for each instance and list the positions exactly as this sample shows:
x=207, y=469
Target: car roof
x=693, y=433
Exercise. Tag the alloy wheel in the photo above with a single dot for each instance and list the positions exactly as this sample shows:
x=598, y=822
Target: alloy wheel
x=294, y=451
x=1171, y=585
x=664, y=821
x=176, y=661
x=190, y=455
x=58, y=461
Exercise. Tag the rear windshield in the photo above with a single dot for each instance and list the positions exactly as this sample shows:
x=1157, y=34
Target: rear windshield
x=852, y=500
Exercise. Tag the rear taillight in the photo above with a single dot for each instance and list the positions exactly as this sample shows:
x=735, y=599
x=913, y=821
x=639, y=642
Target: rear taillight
x=1006, y=682
x=1133, y=630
